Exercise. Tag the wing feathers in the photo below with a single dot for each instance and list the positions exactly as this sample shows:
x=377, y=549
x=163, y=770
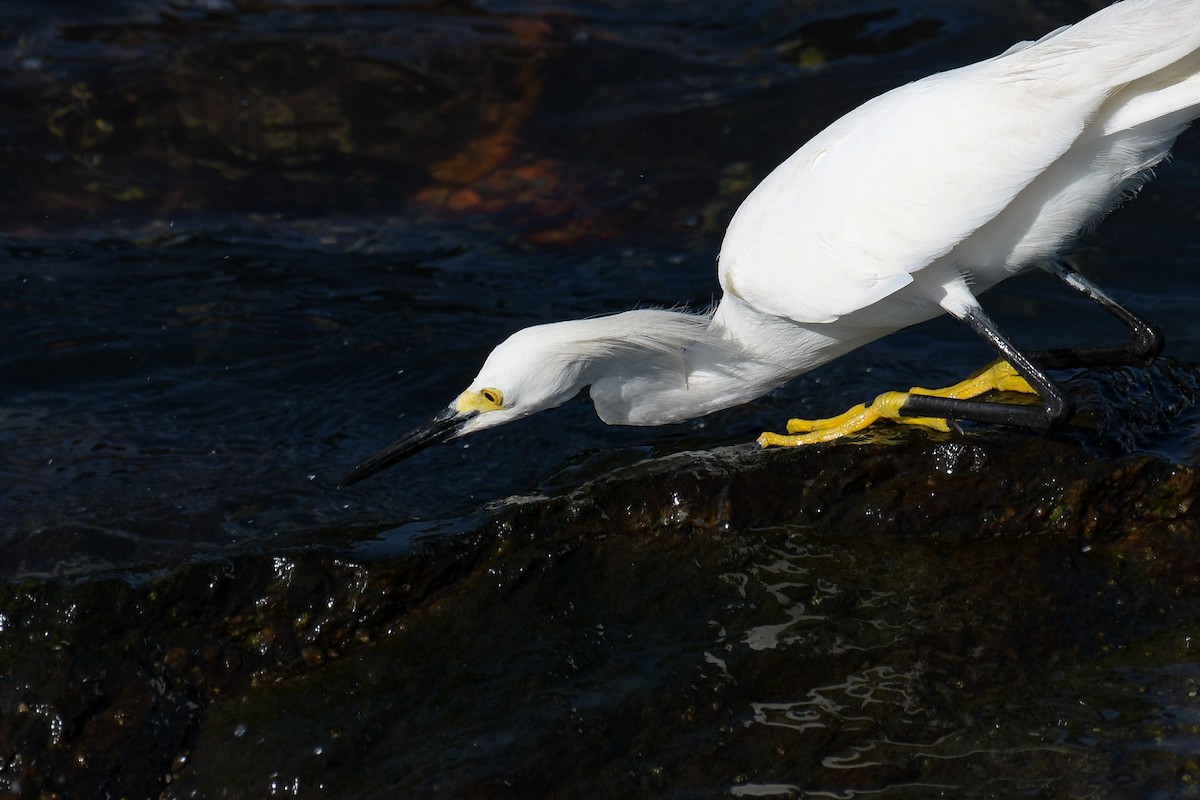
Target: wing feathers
x=906, y=178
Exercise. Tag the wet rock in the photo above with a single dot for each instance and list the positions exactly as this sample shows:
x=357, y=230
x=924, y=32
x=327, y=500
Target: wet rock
x=845, y=618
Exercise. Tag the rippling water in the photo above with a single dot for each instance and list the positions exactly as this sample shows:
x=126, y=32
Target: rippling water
x=244, y=244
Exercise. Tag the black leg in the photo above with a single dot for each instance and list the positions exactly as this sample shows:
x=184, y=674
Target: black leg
x=1055, y=409
x=1145, y=344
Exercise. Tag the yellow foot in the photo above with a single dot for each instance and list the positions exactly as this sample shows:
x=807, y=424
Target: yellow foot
x=813, y=431
x=998, y=376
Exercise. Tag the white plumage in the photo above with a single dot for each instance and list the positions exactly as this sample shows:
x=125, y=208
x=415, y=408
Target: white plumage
x=986, y=169
x=906, y=207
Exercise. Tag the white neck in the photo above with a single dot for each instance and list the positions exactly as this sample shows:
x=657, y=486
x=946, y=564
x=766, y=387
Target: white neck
x=741, y=355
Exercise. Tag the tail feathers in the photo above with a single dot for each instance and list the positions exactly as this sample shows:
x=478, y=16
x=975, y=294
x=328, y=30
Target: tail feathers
x=1157, y=102
x=1130, y=40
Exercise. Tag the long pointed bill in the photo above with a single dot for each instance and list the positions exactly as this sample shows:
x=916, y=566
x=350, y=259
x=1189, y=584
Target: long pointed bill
x=442, y=427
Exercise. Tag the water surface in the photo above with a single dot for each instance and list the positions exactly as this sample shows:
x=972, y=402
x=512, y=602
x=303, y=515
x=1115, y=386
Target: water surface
x=244, y=244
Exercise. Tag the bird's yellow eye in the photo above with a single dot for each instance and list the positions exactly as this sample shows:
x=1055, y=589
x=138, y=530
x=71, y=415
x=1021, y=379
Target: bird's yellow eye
x=479, y=401
x=493, y=397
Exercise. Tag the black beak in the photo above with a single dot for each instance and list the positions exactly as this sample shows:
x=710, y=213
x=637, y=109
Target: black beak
x=442, y=427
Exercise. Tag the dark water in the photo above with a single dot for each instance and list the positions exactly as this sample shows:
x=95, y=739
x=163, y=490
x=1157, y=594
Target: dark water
x=243, y=244
x=244, y=247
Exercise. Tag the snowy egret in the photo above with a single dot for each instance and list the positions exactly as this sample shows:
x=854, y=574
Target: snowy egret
x=907, y=207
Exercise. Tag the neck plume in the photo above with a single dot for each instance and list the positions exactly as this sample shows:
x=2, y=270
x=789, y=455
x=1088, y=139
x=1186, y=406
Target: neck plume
x=673, y=366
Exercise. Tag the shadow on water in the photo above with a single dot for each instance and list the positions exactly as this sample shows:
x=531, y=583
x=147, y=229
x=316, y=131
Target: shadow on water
x=243, y=244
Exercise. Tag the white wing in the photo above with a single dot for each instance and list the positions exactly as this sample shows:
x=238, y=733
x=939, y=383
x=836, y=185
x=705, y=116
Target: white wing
x=905, y=178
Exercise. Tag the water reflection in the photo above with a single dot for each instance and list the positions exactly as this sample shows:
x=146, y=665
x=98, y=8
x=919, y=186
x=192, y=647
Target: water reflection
x=839, y=707
x=870, y=680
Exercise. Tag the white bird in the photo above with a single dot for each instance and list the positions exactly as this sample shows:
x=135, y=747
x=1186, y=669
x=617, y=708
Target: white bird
x=906, y=207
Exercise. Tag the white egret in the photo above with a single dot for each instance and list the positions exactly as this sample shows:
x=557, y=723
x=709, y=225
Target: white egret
x=907, y=207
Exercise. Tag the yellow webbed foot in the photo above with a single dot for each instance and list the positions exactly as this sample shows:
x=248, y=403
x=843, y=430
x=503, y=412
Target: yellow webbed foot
x=998, y=376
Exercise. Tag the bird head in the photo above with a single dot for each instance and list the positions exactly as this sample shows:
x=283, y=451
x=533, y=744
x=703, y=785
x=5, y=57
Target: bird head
x=534, y=369
x=622, y=356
